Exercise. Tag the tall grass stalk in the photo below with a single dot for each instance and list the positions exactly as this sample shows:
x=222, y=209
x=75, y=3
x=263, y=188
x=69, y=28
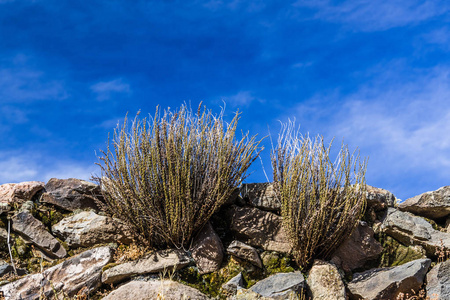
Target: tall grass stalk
x=166, y=176
x=322, y=201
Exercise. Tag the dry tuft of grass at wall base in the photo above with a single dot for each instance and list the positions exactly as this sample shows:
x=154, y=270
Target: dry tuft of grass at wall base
x=167, y=175
x=321, y=200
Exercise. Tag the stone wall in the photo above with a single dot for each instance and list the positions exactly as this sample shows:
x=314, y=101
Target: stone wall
x=64, y=246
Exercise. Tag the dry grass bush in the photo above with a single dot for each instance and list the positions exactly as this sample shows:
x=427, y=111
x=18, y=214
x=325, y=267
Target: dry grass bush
x=322, y=201
x=167, y=175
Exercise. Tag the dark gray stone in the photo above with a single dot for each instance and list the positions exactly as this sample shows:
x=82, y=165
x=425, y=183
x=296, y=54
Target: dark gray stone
x=245, y=252
x=207, y=250
x=71, y=194
x=261, y=195
x=388, y=283
x=260, y=229
x=34, y=231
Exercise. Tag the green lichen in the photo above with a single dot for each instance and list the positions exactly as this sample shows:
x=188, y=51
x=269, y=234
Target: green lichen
x=396, y=254
x=20, y=249
x=49, y=216
x=275, y=262
x=109, y=266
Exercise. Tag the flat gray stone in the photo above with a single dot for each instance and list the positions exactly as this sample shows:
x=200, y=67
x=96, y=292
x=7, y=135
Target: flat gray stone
x=155, y=289
x=154, y=263
x=433, y=205
x=87, y=228
x=278, y=286
x=79, y=272
x=261, y=195
x=412, y=230
x=388, y=283
x=438, y=281
x=325, y=282
x=71, y=194
x=207, y=250
x=260, y=228
x=245, y=252
x=32, y=230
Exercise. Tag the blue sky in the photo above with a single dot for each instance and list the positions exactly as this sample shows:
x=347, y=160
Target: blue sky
x=374, y=74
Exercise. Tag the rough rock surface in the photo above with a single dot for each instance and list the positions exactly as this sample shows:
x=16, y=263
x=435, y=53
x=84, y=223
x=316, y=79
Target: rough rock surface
x=378, y=198
x=433, y=205
x=259, y=229
x=154, y=263
x=235, y=283
x=71, y=194
x=387, y=283
x=358, y=249
x=18, y=193
x=5, y=268
x=413, y=230
x=248, y=294
x=34, y=231
x=152, y=289
x=245, y=252
x=325, y=282
x=261, y=195
x=3, y=235
x=86, y=228
x=207, y=250
x=83, y=270
x=438, y=281
x=279, y=285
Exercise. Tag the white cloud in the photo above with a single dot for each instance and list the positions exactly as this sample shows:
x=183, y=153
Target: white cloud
x=21, y=84
x=242, y=98
x=367, y=15
x=401, y=121
x=29, y=166
x=105, y=89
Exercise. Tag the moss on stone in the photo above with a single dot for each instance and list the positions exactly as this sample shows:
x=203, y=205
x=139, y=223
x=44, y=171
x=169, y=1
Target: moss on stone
x=109, y=266
x=275, y=262
x=395, y=254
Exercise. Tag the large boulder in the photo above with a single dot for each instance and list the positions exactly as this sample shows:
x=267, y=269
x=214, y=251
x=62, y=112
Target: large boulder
x=71, y=194
x=11, y=193
x=207, y=250
x=360, y=248
x=245, y=252
x=433, y=205
x=81, y=272
x=260, y=229
x=86, y=228
x=155, y=289
x=438, y=281
x=412, y=230
x=156, y=262
x=32, y=230
x=261, y=195
x=278, y=286
x=388, y=283
x=325, y=282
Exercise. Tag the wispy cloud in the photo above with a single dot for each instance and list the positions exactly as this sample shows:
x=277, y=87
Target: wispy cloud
x=105, y=89
x=241, y=99
x=367, y=15
x=21, y=84
x=402, y=124
x=29, y=166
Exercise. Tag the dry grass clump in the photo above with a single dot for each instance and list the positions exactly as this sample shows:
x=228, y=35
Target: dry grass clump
x=167, y=175
x=322, y=201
